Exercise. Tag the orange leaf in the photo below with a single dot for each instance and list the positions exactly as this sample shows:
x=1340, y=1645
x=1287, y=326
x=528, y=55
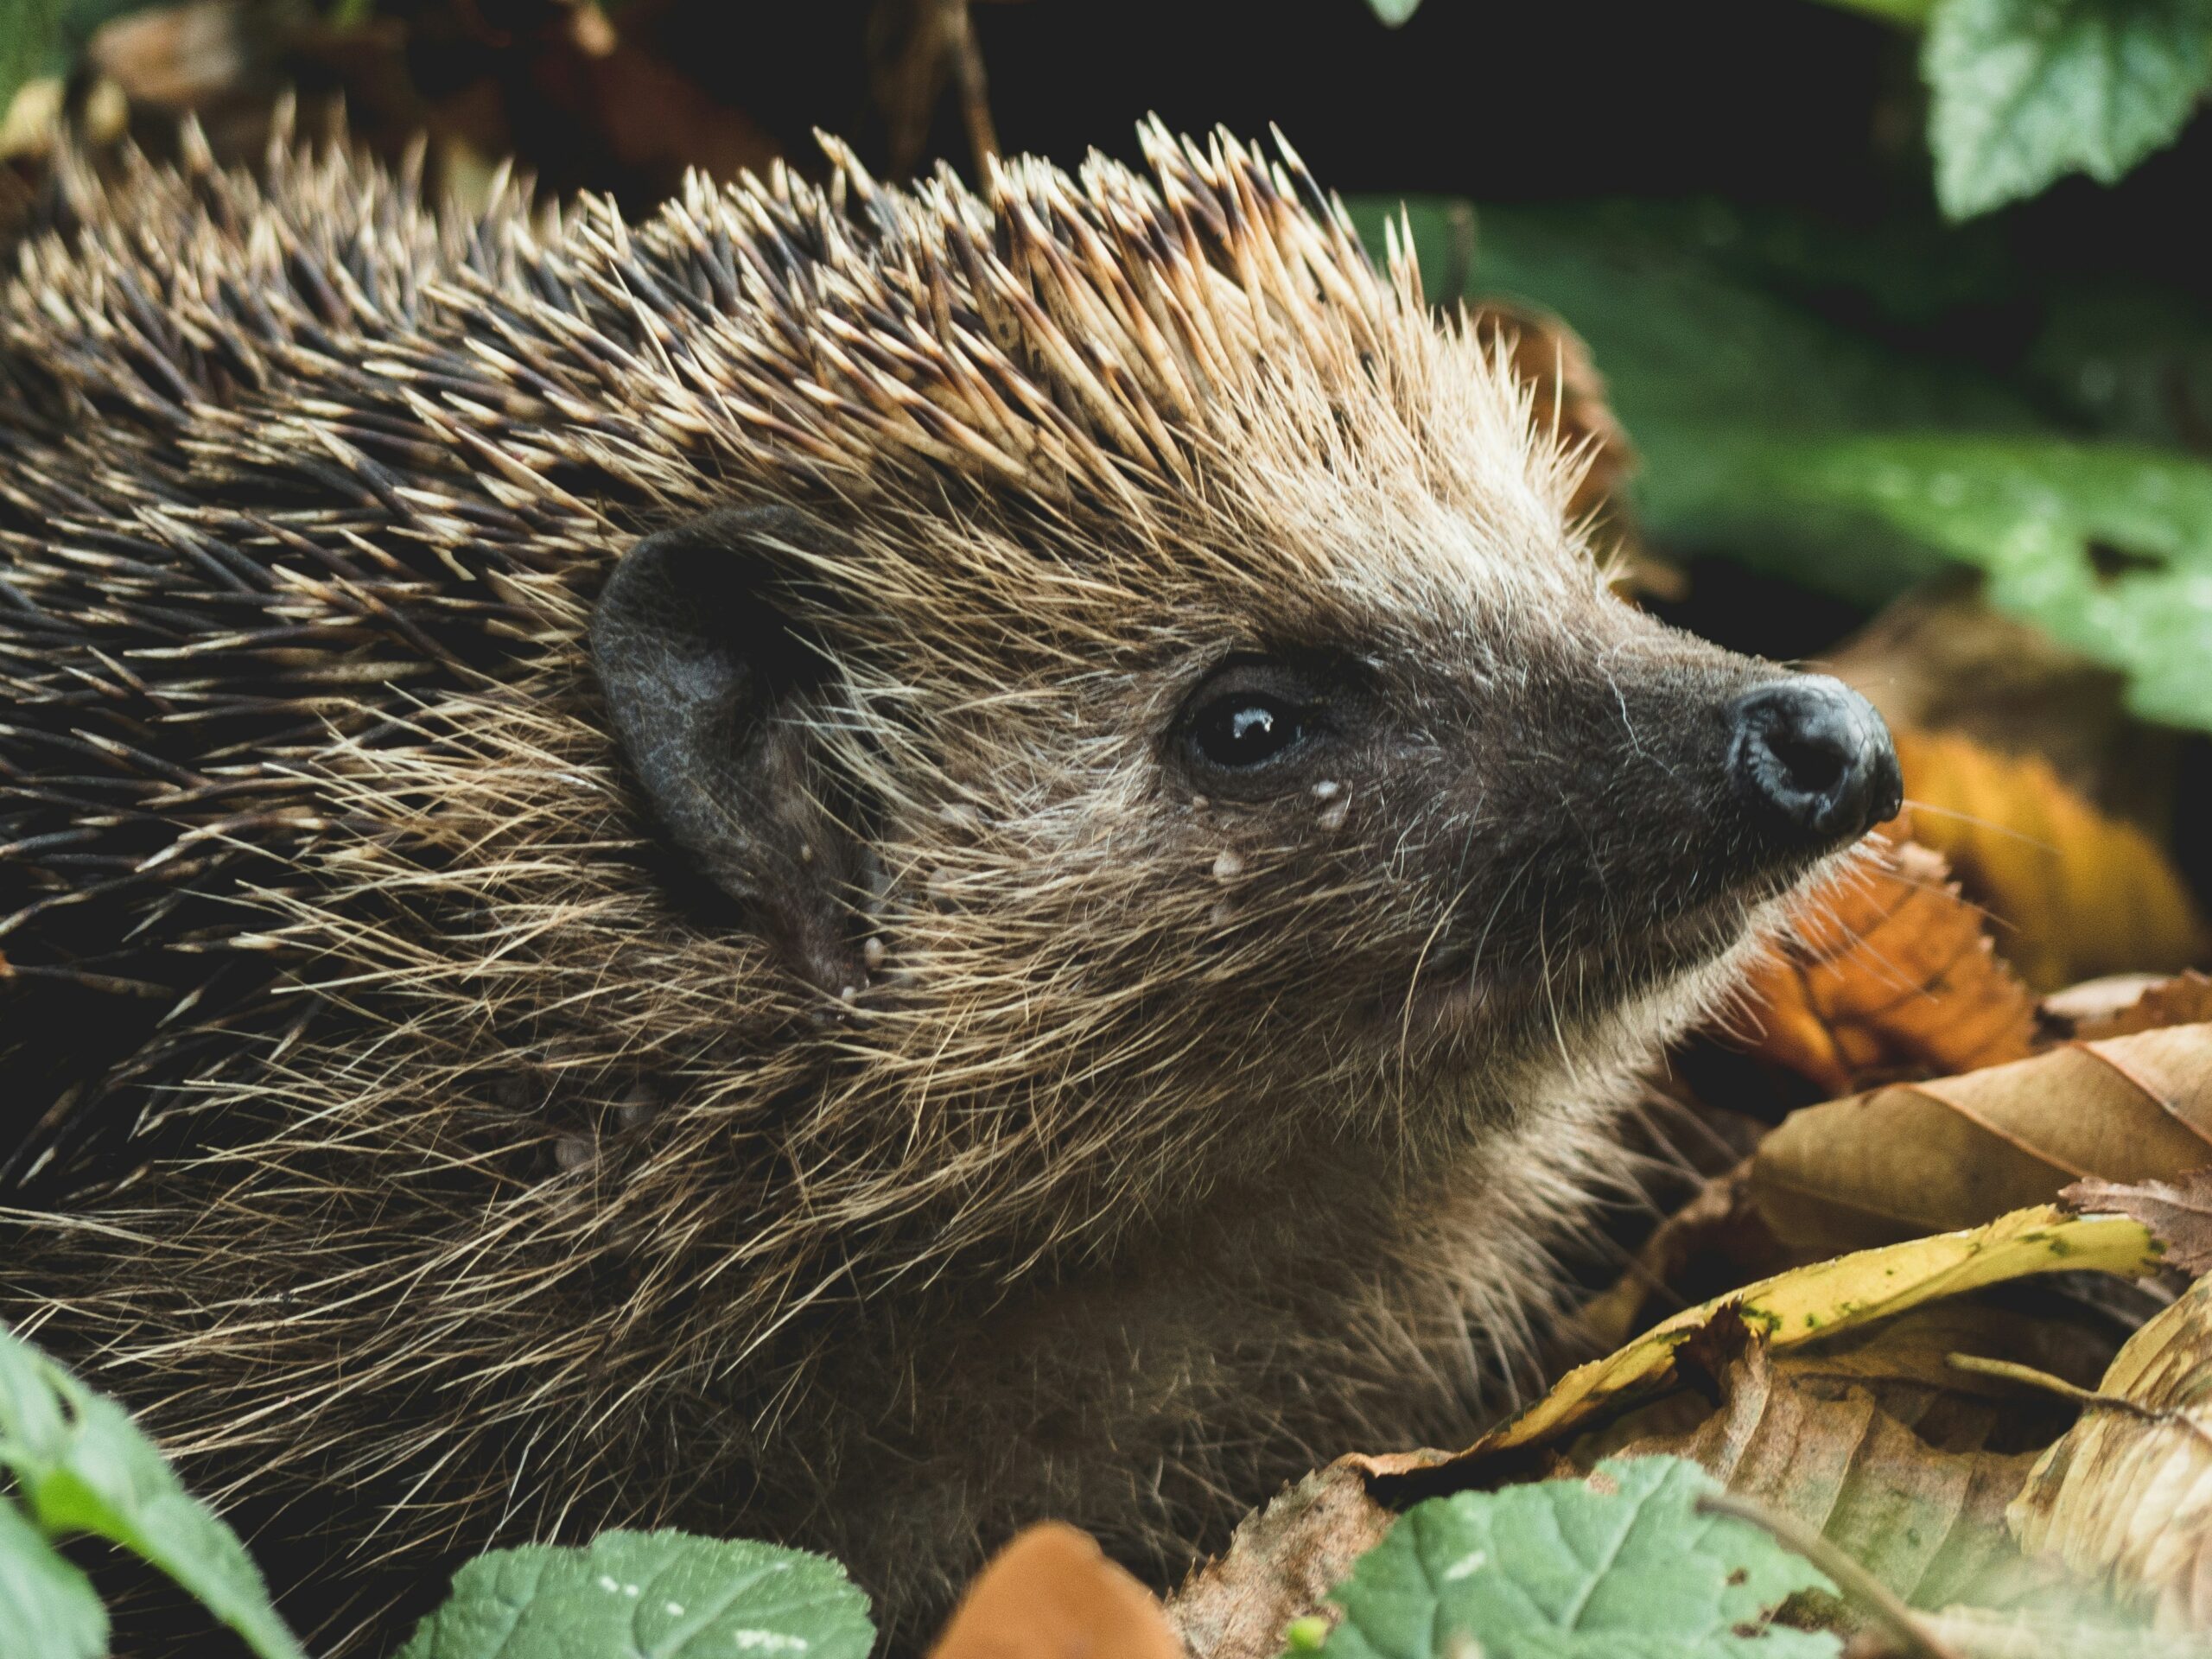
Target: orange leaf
x=2077, y=893
x=1052, y=1594
x=1889, y=973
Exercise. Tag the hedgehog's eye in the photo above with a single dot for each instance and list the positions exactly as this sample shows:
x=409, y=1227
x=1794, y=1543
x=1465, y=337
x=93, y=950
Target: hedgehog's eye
x=1247, y=730
x=1245, y=720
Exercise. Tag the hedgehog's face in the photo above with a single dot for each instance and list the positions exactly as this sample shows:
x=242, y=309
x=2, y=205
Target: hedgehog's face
x=1367, y=812
x=1486, y=833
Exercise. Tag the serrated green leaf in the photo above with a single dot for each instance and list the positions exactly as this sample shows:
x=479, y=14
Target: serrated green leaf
x=2022, y=91
x=1621, y=1566
x=648, y=1595
x=83, y=1467
x=48, y=1605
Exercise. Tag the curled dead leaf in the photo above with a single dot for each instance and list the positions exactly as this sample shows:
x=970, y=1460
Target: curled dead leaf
x=1568, y=394
x=2125, y=1495
x=1889, y=972
x=1952, y=1152
x=2179, y=1213
x=1052, y=1594
x=2077, y=893
x=177, y=57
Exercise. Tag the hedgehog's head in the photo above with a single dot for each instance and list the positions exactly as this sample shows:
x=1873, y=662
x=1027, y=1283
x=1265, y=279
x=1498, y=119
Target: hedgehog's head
x=1298, y=767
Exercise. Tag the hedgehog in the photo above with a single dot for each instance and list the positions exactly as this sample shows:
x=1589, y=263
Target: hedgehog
x=853, y=865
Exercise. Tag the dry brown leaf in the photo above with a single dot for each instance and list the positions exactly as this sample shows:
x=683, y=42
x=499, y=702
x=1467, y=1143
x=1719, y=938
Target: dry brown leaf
x=1282, y=1561
x=1052, y=1594
x=2078, y=893
x=2125, y=1495
x=174, y=57
x=1889, y=973
x=1953, y=1152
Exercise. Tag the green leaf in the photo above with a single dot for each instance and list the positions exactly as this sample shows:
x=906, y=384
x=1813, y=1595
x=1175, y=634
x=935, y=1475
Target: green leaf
x=84, y=1467
x=1620, y=1566
x=47, y=1603
x=647, y=1595
x=1393, y=12
x=2024, y=91
x=1674, y=303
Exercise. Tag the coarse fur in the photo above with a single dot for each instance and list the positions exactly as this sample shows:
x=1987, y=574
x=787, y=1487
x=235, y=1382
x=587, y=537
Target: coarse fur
x=434, y=1160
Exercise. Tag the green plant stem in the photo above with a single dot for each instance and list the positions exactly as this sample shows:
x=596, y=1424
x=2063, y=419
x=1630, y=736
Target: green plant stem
x=2087, y=1399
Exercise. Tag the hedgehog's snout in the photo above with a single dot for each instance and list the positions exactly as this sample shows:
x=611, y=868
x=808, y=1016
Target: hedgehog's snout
x=1813, y=761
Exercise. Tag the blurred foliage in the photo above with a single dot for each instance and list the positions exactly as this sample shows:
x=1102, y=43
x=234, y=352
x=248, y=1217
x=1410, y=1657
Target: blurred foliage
x=1393, y=12
x=29, y=30
x=1856, y=460
x=48, y=37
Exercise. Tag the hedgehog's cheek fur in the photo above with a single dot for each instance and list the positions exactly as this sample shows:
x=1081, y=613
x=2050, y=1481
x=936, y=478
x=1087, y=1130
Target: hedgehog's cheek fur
x=708, y=684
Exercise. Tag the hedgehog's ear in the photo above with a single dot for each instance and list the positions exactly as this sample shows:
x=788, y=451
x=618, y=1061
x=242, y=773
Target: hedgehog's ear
x=709, y=685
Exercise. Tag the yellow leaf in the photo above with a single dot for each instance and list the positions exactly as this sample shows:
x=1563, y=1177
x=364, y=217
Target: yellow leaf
x=1819, y=1300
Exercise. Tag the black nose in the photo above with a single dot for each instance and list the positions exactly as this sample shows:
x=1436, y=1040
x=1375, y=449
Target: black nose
x=1814, y=760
